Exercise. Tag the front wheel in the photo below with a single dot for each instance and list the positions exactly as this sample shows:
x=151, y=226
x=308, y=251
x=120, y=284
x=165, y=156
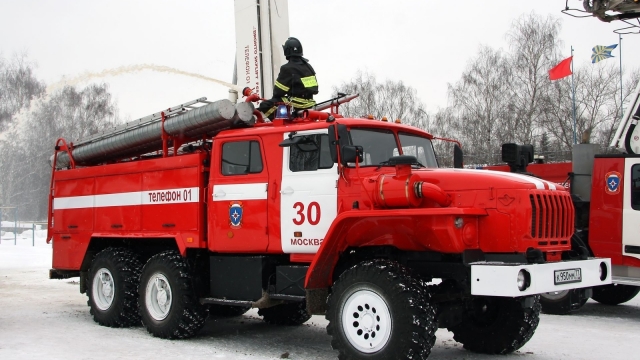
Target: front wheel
x=497, y=325
x=169, y=306
x=614, y=294
x=377, y=310
x=563, y=302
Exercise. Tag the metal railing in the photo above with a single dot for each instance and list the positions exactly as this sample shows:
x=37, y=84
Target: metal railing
x=15, y=222
x=19, y=226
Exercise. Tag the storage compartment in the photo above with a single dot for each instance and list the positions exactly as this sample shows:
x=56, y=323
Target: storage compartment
x=290, y=280
x=239, y=277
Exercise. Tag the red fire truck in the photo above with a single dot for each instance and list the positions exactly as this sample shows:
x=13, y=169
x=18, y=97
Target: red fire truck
x=208, y=208
x=605, y=190
x=205, y=208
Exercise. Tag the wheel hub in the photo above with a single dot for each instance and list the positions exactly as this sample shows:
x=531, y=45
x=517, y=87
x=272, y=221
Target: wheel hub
x=162, y=297
x=366, y=321
x=158, y=296
x=106, y=290
x=103, y=289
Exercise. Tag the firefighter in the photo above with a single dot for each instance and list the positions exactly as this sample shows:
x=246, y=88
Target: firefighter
x=296, y=83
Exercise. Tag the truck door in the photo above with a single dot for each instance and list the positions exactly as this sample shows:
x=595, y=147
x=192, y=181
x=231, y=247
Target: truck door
x=631, y=208
x=308, y=194
x=238, y=196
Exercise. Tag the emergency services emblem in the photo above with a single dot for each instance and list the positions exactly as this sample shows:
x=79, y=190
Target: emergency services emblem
x=235, y=214
x=613, y=182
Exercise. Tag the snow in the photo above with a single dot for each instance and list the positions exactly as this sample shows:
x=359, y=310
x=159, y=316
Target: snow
x=42, y=318
x=22, y=233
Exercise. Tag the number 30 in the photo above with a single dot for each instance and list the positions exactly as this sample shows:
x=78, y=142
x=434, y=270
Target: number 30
x=313, y=213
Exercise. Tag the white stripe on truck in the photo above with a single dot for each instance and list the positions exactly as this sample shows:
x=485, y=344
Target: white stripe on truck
x=147, y=197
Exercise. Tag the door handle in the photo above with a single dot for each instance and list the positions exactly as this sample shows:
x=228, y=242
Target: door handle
x=220, y=194
x=287, y=191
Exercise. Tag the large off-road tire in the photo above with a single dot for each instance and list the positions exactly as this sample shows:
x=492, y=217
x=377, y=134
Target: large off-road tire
x=496, y=325
x=614, y=294
x=291, y=314
x=169, y=305
x=563, y=302
x=377, y=310
x=225, y=311
x=112, y=287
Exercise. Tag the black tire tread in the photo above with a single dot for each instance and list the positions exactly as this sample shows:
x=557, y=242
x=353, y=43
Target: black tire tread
x=191, y=315
x=413, y=294
x=614, y=294
x=129, y=267
x=508, y=333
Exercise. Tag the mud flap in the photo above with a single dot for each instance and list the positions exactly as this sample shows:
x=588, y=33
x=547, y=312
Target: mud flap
x=317, y=301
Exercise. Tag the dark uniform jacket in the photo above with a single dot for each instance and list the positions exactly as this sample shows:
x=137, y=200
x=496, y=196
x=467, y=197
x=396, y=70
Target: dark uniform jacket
x=296, y=83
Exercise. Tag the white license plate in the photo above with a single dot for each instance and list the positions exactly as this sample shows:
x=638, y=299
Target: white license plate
x=567, y=276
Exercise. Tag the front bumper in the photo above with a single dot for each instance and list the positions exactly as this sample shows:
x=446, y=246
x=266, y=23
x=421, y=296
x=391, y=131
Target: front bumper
x=501, y=279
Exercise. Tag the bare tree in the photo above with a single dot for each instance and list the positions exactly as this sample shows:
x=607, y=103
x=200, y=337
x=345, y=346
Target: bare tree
x=68, y=113
x=390, y=99
x=18, y=86
x=480, y=107
x=597, y=103
x=508, y=97
x=534, y=45
x=607, y=129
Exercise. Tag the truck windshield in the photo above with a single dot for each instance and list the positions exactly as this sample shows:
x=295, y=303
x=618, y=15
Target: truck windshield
x=380, y=145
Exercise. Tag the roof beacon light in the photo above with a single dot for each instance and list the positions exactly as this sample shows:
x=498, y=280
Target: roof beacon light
x=282, y=112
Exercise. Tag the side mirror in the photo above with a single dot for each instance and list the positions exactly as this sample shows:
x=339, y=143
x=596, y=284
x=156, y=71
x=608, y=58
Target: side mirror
x=340, y=139
x=458, y=156
x=349, y=154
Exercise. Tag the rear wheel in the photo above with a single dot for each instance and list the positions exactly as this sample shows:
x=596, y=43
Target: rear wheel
x=614, y=294
x=169, y=306
x=563, y=302
x=377, y=310
x=497, y=325
x=286, y=314
x=112, y=284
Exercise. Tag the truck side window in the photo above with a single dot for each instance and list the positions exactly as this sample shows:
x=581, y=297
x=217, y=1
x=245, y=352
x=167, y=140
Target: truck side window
x=309, y=157
x=635, y=187
x=241, y=157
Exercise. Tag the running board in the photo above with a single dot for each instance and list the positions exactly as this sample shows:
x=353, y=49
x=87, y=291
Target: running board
x=287, y=297
x=245, y=303
x=226, y=302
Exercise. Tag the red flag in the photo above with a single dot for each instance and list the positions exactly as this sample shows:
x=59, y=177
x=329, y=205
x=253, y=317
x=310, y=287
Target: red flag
x=561, y=70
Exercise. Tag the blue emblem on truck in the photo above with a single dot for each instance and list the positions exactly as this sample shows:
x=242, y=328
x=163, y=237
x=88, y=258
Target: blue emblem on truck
x=613, y=182
x=235, y=214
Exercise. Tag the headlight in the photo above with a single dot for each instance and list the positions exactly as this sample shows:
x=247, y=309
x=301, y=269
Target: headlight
x=524, y=280
x=603, y=271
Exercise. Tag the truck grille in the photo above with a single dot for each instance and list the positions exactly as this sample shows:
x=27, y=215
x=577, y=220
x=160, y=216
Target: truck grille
x=552, y=215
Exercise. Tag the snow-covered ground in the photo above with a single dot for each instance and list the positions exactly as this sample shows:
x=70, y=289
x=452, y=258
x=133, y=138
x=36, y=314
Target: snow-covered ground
x=49, y=319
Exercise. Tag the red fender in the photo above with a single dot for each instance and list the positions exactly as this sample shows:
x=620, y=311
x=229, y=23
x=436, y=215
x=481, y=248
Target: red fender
x=320, y=273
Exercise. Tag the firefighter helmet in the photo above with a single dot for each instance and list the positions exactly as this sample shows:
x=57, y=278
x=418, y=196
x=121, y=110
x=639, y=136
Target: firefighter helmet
x=292, y=47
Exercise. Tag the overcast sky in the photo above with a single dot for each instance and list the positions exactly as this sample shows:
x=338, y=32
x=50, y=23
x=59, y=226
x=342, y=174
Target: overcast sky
x=424, y=43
